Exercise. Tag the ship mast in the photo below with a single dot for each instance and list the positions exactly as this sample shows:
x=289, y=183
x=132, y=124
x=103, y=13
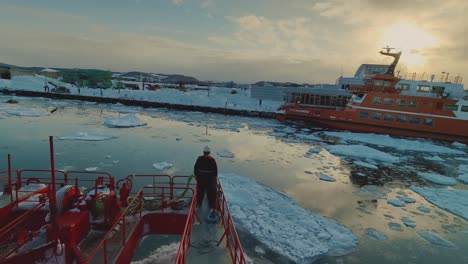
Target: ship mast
x=396, y=56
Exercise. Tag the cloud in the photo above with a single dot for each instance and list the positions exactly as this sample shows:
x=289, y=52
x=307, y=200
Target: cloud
x=178, y=2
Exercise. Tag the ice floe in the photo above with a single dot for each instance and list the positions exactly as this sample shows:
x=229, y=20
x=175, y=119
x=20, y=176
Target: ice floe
x=408, y=222
x=91, y=169
x=454, y=201
x=424, y=209
x=365, y=164
x=225, y=154
x=361, y=152
x=437, y=178
x=371, y=192
x=163, y=165
x=26, y=112
x=434, y=158
x=396, y=203
x=88, y=136
x=435, y=239
x=396, y=143
x=407, y=199
x=373, y=234
x=283, y=226
x=326, y=178
x=164, y=254
x=463, y=170
x=129, y=120
x=395, y=226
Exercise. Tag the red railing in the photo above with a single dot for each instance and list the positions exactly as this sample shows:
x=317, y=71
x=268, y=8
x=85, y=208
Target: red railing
x=185, y=242
x=7, y=184
x=230, y=232
x=42, y=176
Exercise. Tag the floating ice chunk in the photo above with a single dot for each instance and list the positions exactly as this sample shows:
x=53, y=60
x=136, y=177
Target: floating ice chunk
x=225, y=154
x=326, y=178
x=463, y=178
x=276, y=134
x=462, y=159
x=308, y=137
x=164, y=254
x=424, y=209
x=26, y=112
x=407, y=199
x=437, y=178
x=259, y=250
x=115, y=161
x=454, y=201
x=308, y=172
x=435, y=239
x=396, y=203
x=129, y=120
x=91, y=169
x=396, y=143
x=361, y=152
x=365, y=164
x=163, y=165
x=178, y=139
x=458, y=145
x=314, y=150
x=108, y=156
x=88, y=136
x=408, y=222
x=375, y=235
x=434, y=158
x=395, y=226
x=281, y=225
x=287, y=130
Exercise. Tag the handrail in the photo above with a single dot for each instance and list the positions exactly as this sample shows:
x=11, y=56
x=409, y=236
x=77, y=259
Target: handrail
x=20, y=175
x=185, y=242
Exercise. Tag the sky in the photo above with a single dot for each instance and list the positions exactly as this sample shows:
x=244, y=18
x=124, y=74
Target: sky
x=303, y=41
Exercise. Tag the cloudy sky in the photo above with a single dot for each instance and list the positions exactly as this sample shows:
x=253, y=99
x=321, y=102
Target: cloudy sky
x=240, y=40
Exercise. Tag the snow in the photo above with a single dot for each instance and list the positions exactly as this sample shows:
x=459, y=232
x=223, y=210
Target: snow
x=87, y=136
x=361, y=152
x=396, y=203
x=26, y=112
x=163, y=165
x=162, y=255
x=458, y=145
x=373, y=234
x=225, y=154
x=129, y=120
x=281, y=225
x=326, y=178
x=396, y=143
x=365, y=164
x=454, y=201
x=435, y=239
x=437, y=178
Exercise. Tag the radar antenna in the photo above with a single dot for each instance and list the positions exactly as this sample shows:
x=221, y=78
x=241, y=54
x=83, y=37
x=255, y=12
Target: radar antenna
x=395, y=55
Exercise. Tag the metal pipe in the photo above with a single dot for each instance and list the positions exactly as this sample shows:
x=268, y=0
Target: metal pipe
x=9, y=178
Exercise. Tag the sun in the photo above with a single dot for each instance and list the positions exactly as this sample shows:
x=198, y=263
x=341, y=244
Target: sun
x=410, y=39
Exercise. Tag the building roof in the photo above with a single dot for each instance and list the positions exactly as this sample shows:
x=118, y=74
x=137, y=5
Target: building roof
x=48, y=70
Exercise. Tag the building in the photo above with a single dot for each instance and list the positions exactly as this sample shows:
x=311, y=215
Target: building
x=51, y=73
x=278, y=93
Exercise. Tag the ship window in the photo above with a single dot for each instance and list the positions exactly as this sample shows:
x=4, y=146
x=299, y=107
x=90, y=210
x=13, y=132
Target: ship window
x=387, y=83
x=378, y=82
x=428, y=122
x=400, y=102
x=438, y=89
x=412, y=104
x=464, y=108
x=403, y=86
x=388, y=117
x=415, y=120
x=363, y=114
x=388, y=101
x=377, y=100
x=423, y=88
x=451, y=107
x=401, y=119
x=376, y=116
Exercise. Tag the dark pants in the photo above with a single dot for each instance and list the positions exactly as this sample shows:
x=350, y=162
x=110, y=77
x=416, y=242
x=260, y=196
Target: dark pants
x=210, y=187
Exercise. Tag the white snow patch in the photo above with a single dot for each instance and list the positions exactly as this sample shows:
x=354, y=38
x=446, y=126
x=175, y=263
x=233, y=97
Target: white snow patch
x=282, y=225
x=129, y=120
x=435, y=239
x=454, y=201
x=225, y=154
x=88, y=136
x=163, y=165
x=437, y=178
x=26, y=112
x=361, y=152
x=162, y=255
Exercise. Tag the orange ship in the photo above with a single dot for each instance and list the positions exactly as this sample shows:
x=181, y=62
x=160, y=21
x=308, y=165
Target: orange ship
x=385, y=103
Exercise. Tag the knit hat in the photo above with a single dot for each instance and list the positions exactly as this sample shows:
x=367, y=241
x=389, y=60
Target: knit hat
x=206, y=149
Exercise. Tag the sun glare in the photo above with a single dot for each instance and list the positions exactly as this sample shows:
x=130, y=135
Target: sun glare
x=410, y=39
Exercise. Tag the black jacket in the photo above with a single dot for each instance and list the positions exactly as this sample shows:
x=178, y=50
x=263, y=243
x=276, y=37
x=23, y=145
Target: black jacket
x=205, y=168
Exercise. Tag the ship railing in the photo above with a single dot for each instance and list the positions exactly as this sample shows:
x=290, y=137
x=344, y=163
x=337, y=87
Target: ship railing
x=8, y=184
x=230, y=232
x=90, y=179
x=443, y=78
x=186, y=236
x=114, y=241
x=22, y=229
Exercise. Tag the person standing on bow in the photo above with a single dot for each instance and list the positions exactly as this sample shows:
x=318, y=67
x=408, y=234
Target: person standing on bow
x=206, y=174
